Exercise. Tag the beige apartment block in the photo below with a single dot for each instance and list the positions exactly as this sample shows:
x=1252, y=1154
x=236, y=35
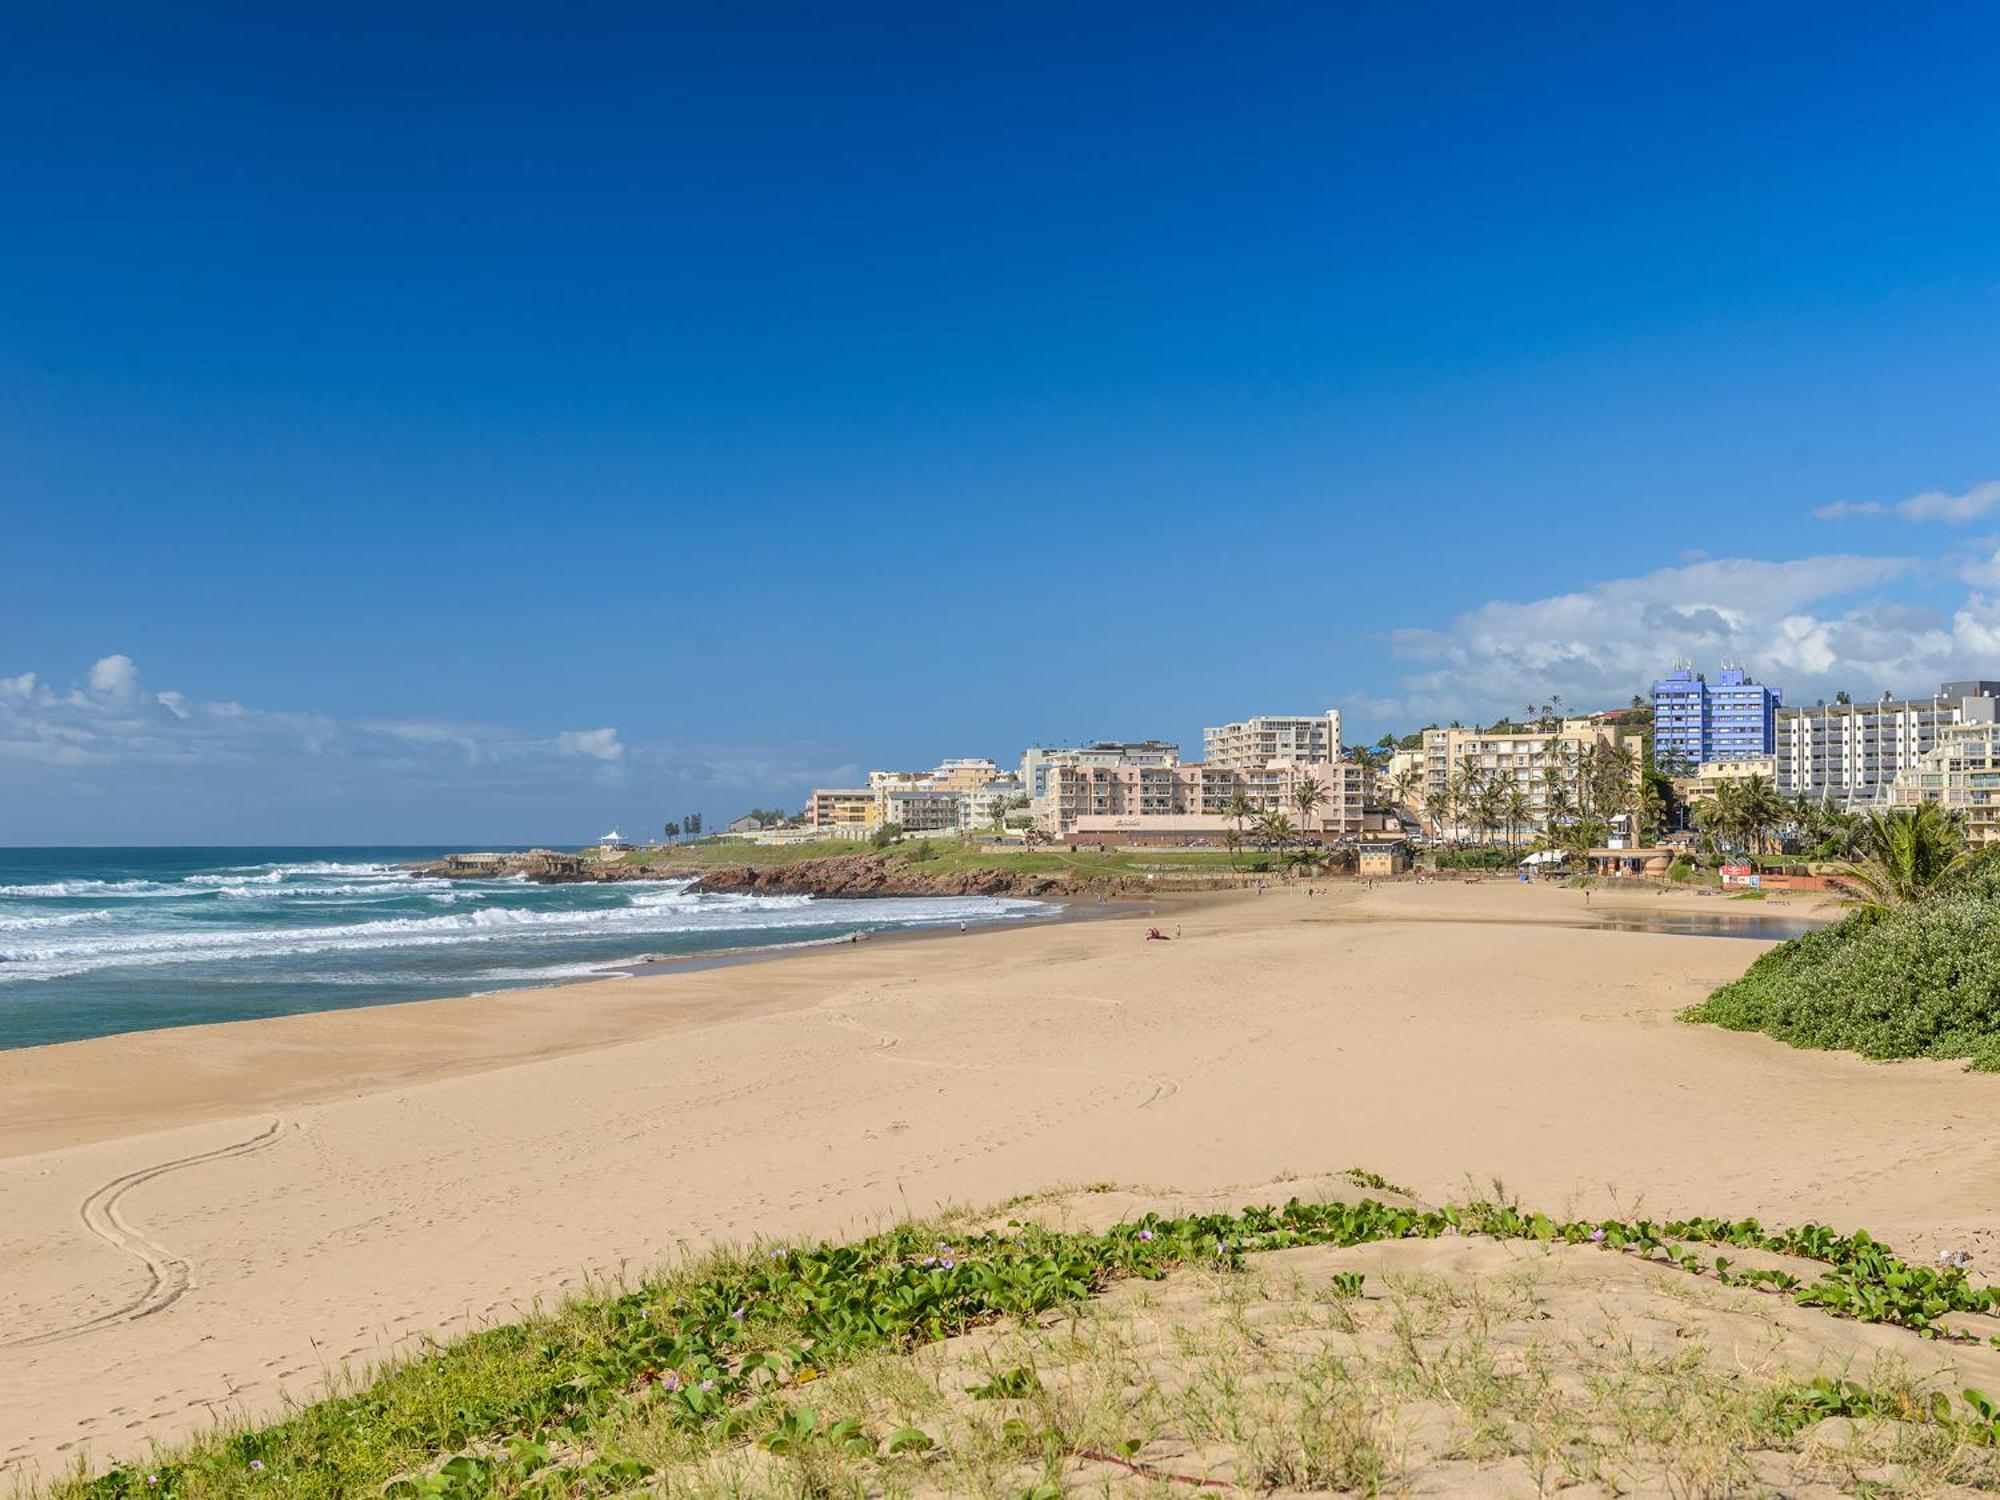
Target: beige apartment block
x=1191, y=802
x=1270, y=739
x=964, y=775
x=1537, y=761
x=1961, y=772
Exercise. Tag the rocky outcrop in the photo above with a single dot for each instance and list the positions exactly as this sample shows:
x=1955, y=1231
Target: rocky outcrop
x=876, y=875
x=857, y=874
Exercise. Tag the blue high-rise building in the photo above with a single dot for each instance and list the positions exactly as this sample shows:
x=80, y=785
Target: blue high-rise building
x=1695, y=720
x=1680, y=718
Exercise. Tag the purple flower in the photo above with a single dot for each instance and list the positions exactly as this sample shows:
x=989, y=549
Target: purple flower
x=1597, y=1236
x=708, y=1385
x=1145, y=1234
x=671, y=1380
x=257, y=1465
x=947, y=1262
x=738, y=1315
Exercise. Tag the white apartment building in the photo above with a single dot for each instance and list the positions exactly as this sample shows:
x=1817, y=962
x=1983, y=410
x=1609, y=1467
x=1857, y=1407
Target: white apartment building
x=1962, y=772
x=1536, y=761
x=920, y=808
x=978, y=808
x=1292, y=739
x=1851, y=754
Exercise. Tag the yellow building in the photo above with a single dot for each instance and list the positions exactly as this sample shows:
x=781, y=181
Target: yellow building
x=844, y=809
x=1714, y=774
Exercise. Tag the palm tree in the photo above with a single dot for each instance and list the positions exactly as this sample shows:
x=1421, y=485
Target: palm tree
x=1836, y=832
x=1907, y=853
x=1519, y=810
x=1403, y=785
x=1488, y=808
x=1618, y=795
x=1650, y=811
x=1558, y=806
x=1306, y=798
x=1464, y=789
x=1437, y=807
x=1762, y=811
x=1240, y=810
x=1719, y=818
x=1276, y=830
x=1579, y=836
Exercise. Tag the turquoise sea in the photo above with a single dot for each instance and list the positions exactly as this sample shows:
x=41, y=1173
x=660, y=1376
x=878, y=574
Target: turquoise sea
x=94, y=941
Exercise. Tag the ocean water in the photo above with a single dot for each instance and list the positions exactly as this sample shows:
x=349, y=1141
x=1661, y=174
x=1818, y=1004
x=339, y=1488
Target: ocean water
x=95, y=941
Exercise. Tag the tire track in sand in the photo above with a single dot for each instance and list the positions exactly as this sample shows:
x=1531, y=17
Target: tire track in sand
x=167, y=1274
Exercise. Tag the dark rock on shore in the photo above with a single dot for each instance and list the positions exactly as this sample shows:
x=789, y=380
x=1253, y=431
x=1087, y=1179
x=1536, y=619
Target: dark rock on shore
x=875, y=875
x=857, y=874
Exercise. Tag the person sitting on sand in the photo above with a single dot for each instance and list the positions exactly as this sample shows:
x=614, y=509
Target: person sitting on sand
x=1154, y=935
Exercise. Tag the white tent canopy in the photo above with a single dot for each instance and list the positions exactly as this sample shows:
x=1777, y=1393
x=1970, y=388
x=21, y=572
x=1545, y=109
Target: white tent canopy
x=1545, y=857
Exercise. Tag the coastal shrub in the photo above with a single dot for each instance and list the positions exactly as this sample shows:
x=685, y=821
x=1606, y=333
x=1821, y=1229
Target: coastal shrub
x=1918, y=981
x=1681, y=871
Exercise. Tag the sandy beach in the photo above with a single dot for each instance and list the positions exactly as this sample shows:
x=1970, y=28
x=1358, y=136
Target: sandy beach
x=202, y=1222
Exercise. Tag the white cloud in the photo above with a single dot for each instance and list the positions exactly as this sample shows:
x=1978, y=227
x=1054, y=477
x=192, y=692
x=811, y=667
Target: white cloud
x=114, y=677
x=112, y=733
x=599, y=744
x=1811, y=626
x=1931, y=505
x=1935, y=505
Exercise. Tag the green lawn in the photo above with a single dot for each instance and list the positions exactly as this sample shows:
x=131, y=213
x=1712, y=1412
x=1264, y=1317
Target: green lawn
x=947, y=855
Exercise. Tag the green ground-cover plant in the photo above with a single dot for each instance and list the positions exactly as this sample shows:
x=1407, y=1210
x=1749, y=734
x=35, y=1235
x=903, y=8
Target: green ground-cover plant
x=1921, y=980
x=534, y=1408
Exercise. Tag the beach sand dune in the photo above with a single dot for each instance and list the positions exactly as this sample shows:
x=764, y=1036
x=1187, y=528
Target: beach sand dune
x=203, y=1222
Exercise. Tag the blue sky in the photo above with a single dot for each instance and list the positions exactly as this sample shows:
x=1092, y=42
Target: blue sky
x=493, y=424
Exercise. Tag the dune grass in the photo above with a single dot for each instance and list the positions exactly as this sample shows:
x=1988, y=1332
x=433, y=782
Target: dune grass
x=709, y=1380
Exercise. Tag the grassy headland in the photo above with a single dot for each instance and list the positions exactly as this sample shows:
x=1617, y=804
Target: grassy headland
x=952, y=856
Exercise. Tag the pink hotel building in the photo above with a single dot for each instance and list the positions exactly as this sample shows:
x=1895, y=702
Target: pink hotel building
x=1178, y=803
